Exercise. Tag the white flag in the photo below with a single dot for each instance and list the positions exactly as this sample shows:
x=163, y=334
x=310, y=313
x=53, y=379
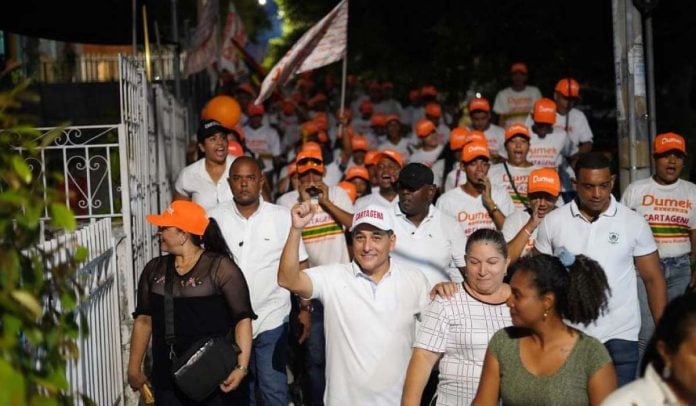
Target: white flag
x=229, y=55
x=323, y=44
x=205, y=40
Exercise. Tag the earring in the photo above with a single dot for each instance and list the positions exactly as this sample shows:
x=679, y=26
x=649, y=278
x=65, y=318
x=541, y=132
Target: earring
x=666, y=372
x=546, y=313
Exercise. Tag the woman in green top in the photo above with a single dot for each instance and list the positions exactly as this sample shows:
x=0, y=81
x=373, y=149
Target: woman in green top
x=542, y=360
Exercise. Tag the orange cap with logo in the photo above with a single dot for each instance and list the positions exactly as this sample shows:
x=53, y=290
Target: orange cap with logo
x=473, y=150
x=568, y=87
x=424, y=127
x=544, y=111
x=515, y=130
x=371, y=157
x=378, y=120
x=391, y=154
x=255, y=109
x=357, y=171
x=359, y=143
x=669, y=142
x=185, y=215
x=544, y=180
x=476, y=136
x=350, y=189
x=458, y=137
x=479, y=104
x=310, y=158
x=433, y=110
x=234, y=148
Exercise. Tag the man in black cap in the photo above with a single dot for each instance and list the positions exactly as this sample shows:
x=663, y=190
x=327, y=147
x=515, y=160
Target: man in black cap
x=426, y=238
x=205, y=181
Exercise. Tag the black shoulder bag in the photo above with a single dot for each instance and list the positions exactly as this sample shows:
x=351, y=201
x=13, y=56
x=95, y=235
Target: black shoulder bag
x=514, y=188
x=204, y=365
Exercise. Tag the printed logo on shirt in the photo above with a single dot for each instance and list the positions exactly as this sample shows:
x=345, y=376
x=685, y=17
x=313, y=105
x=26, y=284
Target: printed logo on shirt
x=613, y=238
x=471, y=222
x=668, y=227
x=321, y=227
x=665, y=204
x=519, y=104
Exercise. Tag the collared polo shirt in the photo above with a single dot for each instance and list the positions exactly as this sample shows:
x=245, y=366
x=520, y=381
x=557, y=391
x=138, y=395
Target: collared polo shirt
x=436, y=246
x=256, y=244
x=613, y=240
x=374, y=198
x=369, y=329
x=195, y=182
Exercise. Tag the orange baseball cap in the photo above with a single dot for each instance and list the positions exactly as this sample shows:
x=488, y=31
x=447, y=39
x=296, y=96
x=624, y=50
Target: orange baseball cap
x=544, y=180
x=378, y=120
x=479, y=104
x=428, y=90
x=413, y=95
x=371, y=157
x=366, y=107
x=473, y=150
x=255, y=109
x=476, y=136
x=424, y=127
x=357, y=172
x=669, y=142
x=515, y=130
x=520, y=67
x=391, y=154
x=458, y=137
x=183, y=214
x=392, y=117
x=433, y=109
x=359, y=143
x=234, y=148
x=309, y=159
x=568, y=87
x=350, y=189
x=544, y=111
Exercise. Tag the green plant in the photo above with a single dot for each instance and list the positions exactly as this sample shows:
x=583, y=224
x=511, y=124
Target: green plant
x=39, y=311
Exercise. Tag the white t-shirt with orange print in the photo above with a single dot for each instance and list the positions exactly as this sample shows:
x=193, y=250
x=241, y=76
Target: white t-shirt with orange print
x=668, y=209
x=470, y=212
x=514, y=106
x=548, y=152
x=520, y=176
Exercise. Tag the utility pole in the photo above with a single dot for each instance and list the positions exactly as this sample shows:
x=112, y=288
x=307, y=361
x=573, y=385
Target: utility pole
x=631, y=95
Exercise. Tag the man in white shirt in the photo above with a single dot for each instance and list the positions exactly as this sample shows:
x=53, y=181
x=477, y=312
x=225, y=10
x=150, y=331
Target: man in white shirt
x=389, y=163
x=548, y=145
x=395, y=138
x=255, y=232
x=619, y=239
x=205, y=181
x=426, y=239
x=480, y=114
x=667, y=204
x=431, y=145
x=371, y=306
x=262, y=139
x=477, y=203
x=513, y=103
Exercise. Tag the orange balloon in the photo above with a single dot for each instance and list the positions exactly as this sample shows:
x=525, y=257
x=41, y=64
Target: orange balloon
x=223, y=109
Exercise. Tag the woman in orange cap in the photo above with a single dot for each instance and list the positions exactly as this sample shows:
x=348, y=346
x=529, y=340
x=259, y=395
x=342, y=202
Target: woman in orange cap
x=211, y=297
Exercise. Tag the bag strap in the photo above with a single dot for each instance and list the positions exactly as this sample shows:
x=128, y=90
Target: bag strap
x=512, y=183
x=169, y=336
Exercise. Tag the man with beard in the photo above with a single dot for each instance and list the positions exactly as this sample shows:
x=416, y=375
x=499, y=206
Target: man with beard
x=667, y=203
x=596, y=225
x=205, y=181
x=426, y=239
x=389, y=163
x=513, y=172
x=255, y=232
x=477, y=203
x=520, y=228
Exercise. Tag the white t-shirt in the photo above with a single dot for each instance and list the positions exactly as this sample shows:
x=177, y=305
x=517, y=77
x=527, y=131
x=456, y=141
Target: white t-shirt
x=436, y=246
x=388, y=106
x=470, y=212
x=426, y=158
x=263, y=140
x=401, y=147
x=456, y=177
x=438, y=169
x=512, y=226
x=291, y=130
x=520, y=176
x=669, y=209
x=195, y=182
x=613, y=240
x=514, y=106
x=578, y=128
x=333, y=173
x=369, y=329
x=495, y=136
x=324, y=238
x=374, y=198
x=256, y=244
x=548, y=152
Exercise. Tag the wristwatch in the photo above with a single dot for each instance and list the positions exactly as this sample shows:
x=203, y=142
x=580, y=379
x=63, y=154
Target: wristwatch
x=307, y=307
x=493, y=209
x=242, y=368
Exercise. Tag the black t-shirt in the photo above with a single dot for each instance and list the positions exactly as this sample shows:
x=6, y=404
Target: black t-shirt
x=209, y=300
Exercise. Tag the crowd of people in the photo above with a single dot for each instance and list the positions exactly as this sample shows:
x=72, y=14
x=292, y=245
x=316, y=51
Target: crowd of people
x=417, y=254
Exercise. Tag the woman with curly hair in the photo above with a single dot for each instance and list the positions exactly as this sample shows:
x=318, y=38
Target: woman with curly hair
x=541, y=360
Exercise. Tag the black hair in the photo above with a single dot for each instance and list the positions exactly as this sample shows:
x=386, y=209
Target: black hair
x=494, y=237
x=676, y=324
x=581, y=290
x=213, y=241
x=592, y=160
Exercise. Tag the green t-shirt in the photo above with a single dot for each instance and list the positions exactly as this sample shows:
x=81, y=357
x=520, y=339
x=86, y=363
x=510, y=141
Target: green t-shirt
x=567, y=386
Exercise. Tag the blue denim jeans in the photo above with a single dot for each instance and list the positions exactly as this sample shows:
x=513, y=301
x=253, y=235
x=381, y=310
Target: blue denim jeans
x=624, y=354
x=315, y=361
x=677, y=272
x=267, y=375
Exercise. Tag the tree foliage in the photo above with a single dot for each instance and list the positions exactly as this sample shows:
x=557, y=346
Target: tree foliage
x=38, y=304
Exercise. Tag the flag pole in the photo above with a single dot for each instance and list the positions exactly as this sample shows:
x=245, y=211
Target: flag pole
x=343, y=91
